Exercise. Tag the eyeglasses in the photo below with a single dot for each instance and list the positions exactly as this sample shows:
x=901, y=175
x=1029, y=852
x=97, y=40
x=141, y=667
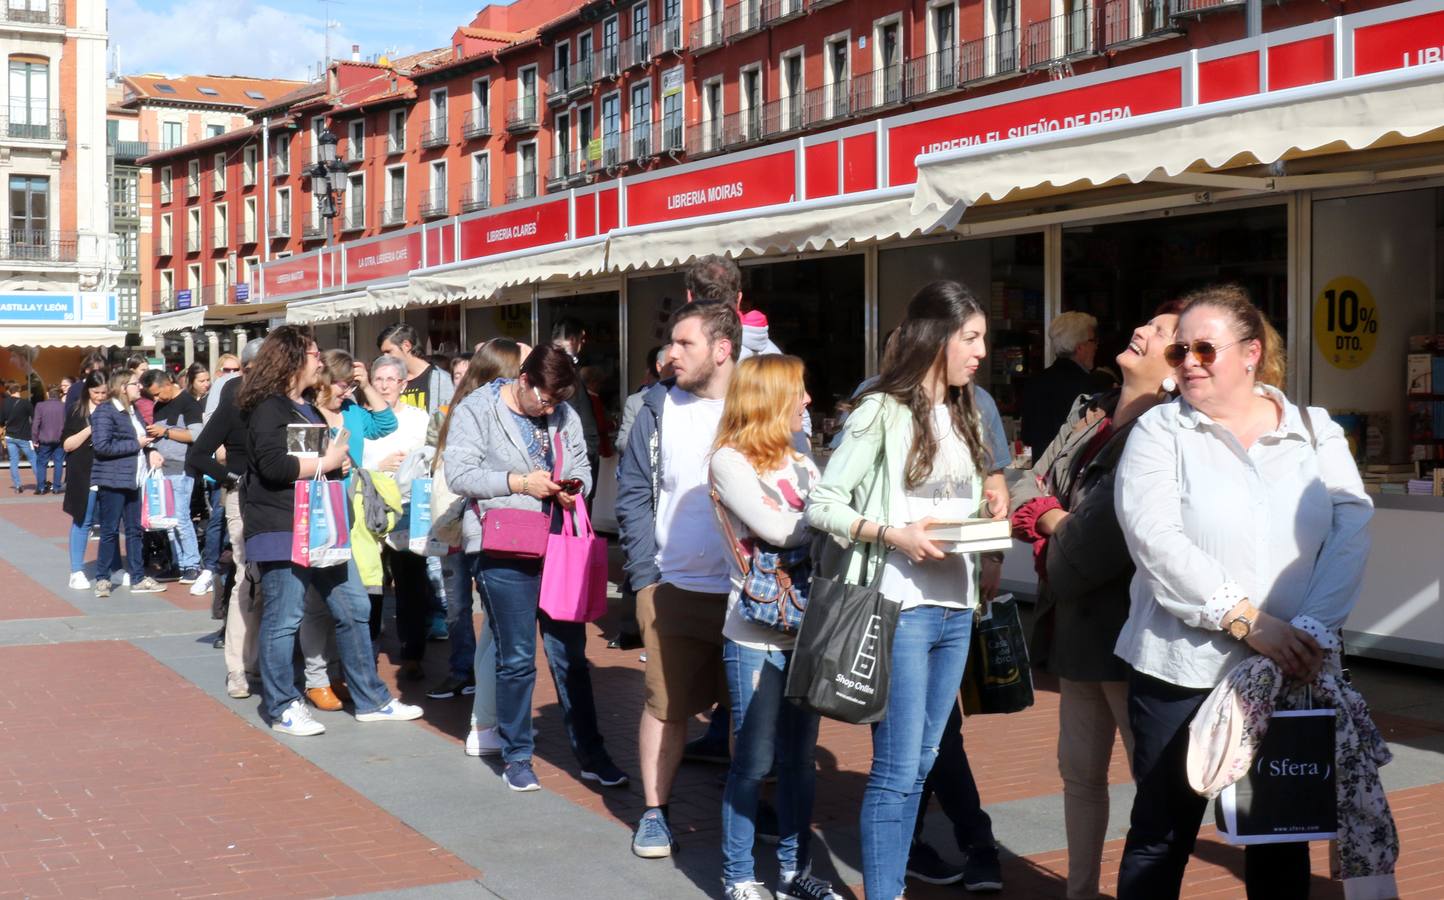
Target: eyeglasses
x=1204, y=351
x=545, y=404
x=229, y=370
x=314, y=354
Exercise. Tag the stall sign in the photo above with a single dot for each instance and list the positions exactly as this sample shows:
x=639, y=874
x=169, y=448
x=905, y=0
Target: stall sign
x=291, y=277
x=1112, y=100
x=516, y=229
x=1415, y=41
x=1346, y=322
x=33, y=307
x=243, y=293
x=387, y=258
x=183, y=299
x=751, y=183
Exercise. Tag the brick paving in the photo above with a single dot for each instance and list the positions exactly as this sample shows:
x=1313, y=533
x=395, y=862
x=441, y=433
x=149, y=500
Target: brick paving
x=118, y=776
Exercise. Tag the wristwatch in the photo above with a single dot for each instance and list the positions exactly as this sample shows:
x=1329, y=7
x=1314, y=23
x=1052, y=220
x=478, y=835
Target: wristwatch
x=1241, y=626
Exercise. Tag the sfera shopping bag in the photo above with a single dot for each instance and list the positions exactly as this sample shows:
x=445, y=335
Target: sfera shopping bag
x=418, y=534
x=1289, y=792
x=157, y=511
x=574, y=571
x=998, y=677
x=320, y=530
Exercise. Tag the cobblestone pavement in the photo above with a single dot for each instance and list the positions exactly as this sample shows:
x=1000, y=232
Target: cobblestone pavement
x=126, y=771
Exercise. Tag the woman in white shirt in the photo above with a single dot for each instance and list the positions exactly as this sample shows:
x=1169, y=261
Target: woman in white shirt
x=761, y=484
x=408, y=570
x=913, y=452
x=1248, y=522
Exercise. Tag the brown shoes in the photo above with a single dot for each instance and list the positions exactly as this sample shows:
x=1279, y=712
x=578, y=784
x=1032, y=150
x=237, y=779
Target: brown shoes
x=323, y=698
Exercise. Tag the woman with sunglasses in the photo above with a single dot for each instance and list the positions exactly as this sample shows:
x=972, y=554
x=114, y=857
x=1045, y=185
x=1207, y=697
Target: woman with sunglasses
x=119, y=470
x=272, y=397
x=1064, y=508
x=1248, y=522
x=501, y=447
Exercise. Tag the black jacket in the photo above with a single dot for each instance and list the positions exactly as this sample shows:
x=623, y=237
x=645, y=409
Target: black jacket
x=226, y=427
x=269, y=492
x=1047, y=398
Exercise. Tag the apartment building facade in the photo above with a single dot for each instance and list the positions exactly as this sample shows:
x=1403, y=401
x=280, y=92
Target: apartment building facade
x=57, y=253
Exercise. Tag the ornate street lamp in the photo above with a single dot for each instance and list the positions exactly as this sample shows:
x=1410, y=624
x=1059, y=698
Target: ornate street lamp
x=328, y=182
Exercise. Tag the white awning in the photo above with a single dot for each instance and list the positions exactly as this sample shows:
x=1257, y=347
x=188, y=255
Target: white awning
x=153, y=326
x=1189, y=145
x=334, y=308
x=481, y=279
x=809, y=225
x=61, y=336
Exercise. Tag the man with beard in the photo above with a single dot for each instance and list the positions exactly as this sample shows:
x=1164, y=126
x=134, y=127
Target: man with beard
x=676, y=557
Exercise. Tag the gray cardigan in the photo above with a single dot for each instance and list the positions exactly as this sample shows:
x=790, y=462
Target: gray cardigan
x=484, y=446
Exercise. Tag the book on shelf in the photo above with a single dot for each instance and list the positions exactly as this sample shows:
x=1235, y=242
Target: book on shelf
x=1421, y=374
x=972, y=535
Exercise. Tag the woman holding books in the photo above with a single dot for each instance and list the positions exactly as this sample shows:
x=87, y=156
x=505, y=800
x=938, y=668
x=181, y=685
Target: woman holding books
x=1248, y=523
x=273, y=397
x=913, y=452
x=1065, y=510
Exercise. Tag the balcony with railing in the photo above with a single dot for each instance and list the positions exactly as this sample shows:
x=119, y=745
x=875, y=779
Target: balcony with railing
x=934, y=73
x=477, y=123
x=1131, y=23
x=434, y=133
x=395, y=142
x=211, y=295
x=521, y=114
x=705, y=138
x=280, y=164
x=33, y=12
x=560, y=169
x=393, y=213
x=162, y=300
x=989, y=57
x=193, y=241
x=878, y=89
x=1060, y=39
x=476, y=195
x=355, y=150
x=828, y=103
x=129, y=152
x=434, y=203
x=635, y=50
x=164, y=244
x=193, y=186
x=353, y=215
x=706, y=33
x=580, y=75
x=245, y=232
x=608, y=63
x=611, y=152
x=313, y=228
x=220, y=236
x=668, y=37
x=746, y=126
x=819, y=4
x=559, y=83
x=639, y=143
x=671, y=135
x=741, y=18
x=520, y=187
x=281, y=225
x=776, y=11
x=38, y=245
x=1200, y=8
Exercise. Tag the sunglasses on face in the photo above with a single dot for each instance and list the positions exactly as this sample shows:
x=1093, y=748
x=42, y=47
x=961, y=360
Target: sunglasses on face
x=227, y=370
x=1204, y=351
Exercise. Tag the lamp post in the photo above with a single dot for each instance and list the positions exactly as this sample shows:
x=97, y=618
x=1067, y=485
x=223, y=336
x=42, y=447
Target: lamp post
x=328, y=183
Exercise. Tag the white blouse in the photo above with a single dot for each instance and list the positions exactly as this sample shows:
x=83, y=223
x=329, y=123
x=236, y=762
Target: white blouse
x=1208, y=523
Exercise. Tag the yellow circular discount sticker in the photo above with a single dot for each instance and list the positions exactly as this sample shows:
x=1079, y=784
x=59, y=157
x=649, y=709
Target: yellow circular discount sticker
x=1346, y=323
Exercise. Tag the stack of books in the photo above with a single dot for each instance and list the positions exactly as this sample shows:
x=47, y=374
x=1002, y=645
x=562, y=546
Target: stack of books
x=972, y=535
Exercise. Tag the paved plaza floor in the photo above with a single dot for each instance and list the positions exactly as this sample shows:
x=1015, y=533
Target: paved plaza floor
x=126, y=771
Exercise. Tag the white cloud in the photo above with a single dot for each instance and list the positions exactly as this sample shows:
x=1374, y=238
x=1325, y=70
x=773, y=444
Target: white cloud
x=217, y=37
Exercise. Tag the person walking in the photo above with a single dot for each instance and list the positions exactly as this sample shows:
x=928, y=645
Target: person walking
x=46, y=429
x=1049, y=395
x=79, y=500
x=913, y=451
x=1249, y=525
x=1065, y=509
x=272, y=397
x=198, y=385
x=120, y=444
x=501, y=451
x=762, y=483
x=176, y=413
x=675, y=558
x=16, y=415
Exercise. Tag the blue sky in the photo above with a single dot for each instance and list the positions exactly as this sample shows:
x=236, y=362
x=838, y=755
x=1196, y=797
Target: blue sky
x=272, y=38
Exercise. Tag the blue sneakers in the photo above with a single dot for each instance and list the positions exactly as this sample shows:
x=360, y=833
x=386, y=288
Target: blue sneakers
x=653, y=839
x=519, y=777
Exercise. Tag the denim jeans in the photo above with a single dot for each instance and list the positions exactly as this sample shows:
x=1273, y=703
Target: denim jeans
x=1167, y=813
x=483, y=702
x=17, y=447
x=929, y=651
x=952, y=781
x=80, y=535
x=182, y=538
x=215, y=530
x=766, y=728
x=283, y=592
x=510, y=589
x=460, y=626
x=117, y=509
x=46, y=456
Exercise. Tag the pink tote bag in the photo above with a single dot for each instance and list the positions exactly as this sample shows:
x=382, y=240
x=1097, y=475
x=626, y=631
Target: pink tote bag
x=574, y=572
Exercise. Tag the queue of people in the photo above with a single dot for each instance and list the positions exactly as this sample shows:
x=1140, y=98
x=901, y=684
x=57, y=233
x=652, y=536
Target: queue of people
x=1147, y=510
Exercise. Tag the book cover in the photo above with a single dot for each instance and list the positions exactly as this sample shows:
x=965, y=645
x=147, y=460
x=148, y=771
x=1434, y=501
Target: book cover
x=307, y=441
x=1421, y=373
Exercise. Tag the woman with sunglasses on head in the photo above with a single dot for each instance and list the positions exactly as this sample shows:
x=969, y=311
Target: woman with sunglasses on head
x=913, y=449
x=119, y=470
x=1065, y=509
x=272, y=397
x=1248, y=522
x=501, y=447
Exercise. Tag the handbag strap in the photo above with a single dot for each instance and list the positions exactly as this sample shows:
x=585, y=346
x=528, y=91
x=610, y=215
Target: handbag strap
x=744, y=565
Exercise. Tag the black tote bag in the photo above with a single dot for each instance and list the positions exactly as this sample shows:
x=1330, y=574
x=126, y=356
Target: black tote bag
x=843, y=658
x=998, y=678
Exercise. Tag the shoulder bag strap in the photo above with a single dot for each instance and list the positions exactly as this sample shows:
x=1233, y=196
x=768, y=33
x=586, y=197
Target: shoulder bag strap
x=744, y=565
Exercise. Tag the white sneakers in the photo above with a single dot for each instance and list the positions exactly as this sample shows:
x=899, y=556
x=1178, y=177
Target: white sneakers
x=203, y=584
x=483, y=742
x=297, y=721
x=237, y=687
x=395, y=711
x=78, y=581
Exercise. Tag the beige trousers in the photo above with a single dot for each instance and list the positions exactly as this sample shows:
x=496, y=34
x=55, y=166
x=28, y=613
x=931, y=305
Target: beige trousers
x=1089, y=714
x=243, y=617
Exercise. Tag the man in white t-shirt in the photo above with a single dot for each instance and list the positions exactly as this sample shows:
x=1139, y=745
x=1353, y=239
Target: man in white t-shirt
x=676, y=557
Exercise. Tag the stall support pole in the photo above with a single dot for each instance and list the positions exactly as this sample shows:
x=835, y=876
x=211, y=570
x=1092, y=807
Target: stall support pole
x=240, y=340
x=1300, y=281
x=625, y=345
x=188, y=341
x=213, y=348
x=870, y=309
x=1052, y=283
x=535, y=315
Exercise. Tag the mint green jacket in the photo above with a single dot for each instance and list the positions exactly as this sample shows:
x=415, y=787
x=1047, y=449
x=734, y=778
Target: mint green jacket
x=863, y=478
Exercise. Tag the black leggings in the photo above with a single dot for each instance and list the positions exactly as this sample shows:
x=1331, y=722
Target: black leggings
x=1167, y=813
x=412, y=587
